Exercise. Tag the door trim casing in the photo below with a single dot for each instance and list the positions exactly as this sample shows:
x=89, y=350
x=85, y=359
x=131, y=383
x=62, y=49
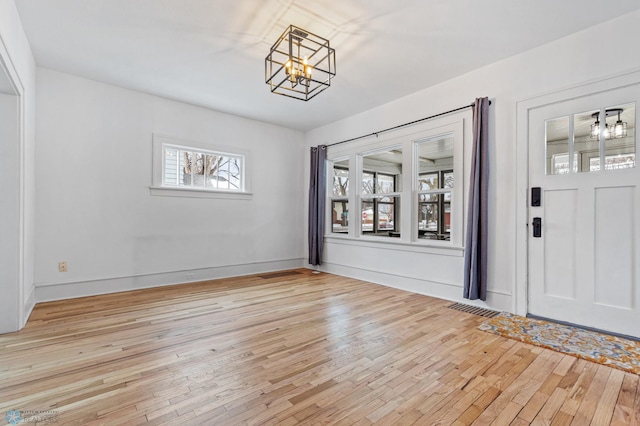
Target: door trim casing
x=523, y=107
x=25, y=302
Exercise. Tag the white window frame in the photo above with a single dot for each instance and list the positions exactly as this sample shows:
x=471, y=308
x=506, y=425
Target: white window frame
x=371, y=198
x=158, y=187
x=457, y=203
x=407, y=200
x=337, y=198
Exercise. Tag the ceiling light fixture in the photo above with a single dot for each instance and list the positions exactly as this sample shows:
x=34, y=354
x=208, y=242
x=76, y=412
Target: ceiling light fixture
x=618, y=130
x=300, y=64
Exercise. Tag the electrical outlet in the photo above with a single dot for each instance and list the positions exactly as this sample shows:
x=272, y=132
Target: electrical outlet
x=62, y=266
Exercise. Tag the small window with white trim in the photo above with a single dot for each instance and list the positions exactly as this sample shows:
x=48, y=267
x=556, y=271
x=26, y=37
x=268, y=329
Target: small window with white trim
x=179, y=165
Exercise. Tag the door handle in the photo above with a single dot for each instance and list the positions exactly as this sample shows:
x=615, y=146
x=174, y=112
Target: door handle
x=537, y=227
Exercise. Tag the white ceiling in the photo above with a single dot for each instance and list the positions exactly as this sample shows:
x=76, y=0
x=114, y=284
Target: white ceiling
x=211, y=52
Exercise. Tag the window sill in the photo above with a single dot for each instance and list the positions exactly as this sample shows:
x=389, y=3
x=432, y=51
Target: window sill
x=444, y=248
x=198, y=193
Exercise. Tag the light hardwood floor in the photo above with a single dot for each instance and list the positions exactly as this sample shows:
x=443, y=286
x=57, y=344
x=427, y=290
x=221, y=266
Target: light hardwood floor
x=293, y=349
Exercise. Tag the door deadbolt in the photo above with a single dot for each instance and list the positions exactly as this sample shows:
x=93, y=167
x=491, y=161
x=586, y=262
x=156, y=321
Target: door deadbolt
x=535, y=196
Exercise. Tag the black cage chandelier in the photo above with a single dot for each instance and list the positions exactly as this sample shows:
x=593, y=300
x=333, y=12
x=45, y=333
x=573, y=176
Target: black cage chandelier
x=300, y=64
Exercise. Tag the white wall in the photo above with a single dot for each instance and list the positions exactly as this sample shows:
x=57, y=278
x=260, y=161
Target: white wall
x=564, y=63
x=94, y=207
x=17, y=139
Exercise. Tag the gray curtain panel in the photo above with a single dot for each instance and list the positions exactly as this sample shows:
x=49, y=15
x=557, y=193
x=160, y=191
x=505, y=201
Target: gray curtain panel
x=475, y=249
x=317, y=196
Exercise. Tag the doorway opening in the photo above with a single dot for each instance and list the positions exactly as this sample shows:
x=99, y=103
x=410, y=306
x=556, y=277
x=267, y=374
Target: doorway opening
x=11, y=208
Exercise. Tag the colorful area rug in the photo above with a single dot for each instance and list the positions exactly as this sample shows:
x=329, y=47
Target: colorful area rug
x=616, y=352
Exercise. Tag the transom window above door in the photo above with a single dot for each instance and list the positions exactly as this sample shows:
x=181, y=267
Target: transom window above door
x=583, y=141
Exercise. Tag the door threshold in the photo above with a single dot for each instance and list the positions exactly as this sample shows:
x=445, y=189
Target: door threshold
x=584, y=327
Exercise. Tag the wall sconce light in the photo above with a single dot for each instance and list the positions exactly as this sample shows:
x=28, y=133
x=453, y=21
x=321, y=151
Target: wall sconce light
x=300, y=64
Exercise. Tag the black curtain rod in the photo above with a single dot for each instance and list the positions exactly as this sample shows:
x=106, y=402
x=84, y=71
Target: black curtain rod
x=404, y=125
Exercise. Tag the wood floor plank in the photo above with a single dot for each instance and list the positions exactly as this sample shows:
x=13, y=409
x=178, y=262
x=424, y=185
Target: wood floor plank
x=289, y=349
x=607, y=402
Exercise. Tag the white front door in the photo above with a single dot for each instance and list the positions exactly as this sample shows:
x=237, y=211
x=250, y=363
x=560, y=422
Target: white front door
x=583, y=266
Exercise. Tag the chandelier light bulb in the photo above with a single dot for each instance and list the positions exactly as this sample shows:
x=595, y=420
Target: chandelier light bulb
x=595, y=130
x=620, y=128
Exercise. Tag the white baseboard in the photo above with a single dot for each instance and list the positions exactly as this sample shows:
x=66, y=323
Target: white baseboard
x=61, y=291
x=496, y=300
